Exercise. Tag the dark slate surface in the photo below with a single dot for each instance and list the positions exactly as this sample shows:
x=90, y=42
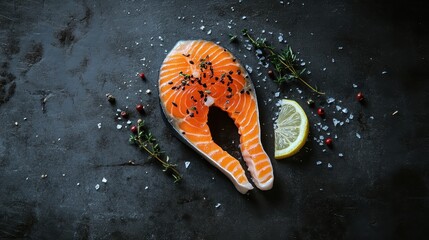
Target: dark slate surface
x=71, y=53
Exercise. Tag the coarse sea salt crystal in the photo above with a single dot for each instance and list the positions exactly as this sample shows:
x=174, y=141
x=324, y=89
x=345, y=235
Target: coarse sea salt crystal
x=104, y=180
x=202, y=27
x=340, y=155
x=335, y=121
x=338, y=108
x=217, y=205
x=97, y=186
x=325, y=127
x=329, y=165
x=99, y=125
x=358, y=135
x=384, y=72
x=330, y=100
x=187, y=163
x=209, y=32
x=119, y=126
x=276, y=94
x=280, y=38
x=355, y=86
x=351, y=116
x=345, y=110
x=243, y=17
x=249, y=69
x=318, y=162
x=258, y=51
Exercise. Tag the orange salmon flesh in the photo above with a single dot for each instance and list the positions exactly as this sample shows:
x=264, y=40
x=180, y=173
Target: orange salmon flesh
x=197, y=74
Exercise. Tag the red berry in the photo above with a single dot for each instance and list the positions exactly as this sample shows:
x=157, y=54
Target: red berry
x=124, y=114
x=271, y=74
x=321, y=112
x=139, y=108
x=360, y=96
x=134, y=129
x=141, y=75
x=328, y=141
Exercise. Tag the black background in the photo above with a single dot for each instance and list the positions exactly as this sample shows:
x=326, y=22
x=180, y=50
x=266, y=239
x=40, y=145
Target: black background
x=72, y=53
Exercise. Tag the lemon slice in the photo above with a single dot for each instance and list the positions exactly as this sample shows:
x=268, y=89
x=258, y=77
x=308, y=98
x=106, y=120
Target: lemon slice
x=291, y=129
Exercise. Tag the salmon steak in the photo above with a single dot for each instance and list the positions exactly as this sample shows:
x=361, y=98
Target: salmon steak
x=198, y=74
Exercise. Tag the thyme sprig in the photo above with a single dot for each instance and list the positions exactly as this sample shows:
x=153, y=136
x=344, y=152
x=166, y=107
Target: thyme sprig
x=144, y=140
x=284, y=62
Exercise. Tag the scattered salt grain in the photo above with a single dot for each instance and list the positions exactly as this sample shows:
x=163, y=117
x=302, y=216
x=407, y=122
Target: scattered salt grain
x=187, y=164
x=77, y=184
x=335, y=121
x=209, y=32
x=330, y=100
x=333, y=60
x=97, y=186
x=340, y=155
x=371, y=117
x=355, y=86
x=395, y=112
x=202, y=27
x=276, y=94
x=318, y=162
x=104, y=180
x=129, y=122
x=243, y=17
x=249, y=69
x=148, y=91
x=323, y=69
x=325, y=127
x=99, y=125
x=146, y=187
x=358, y=135
x=258, y=51
x=280, y=38
x=345, y=110
x=338, y=108
x=329, y=165
x=384, y=72
x=302, y=64
x=119, y=126
x=351, y=116
x=16, y=123
x=217, y=205
x=340, y=48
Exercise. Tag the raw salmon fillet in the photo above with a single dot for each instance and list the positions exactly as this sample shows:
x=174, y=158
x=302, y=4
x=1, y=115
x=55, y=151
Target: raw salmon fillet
x=197, y=74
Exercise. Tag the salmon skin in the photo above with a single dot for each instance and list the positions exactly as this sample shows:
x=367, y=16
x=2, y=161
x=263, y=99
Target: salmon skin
x=197, y=74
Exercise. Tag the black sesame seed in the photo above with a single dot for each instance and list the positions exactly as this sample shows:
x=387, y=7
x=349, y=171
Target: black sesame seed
x=191, y=62
x=238, y=72
x=174, y=104
x=242, y=91
x=191, y=115
x=230, y=72
x=229, y=89
x=187, y=111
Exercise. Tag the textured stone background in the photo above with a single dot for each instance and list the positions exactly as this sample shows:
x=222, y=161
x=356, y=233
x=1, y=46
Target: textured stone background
x=59, y=59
